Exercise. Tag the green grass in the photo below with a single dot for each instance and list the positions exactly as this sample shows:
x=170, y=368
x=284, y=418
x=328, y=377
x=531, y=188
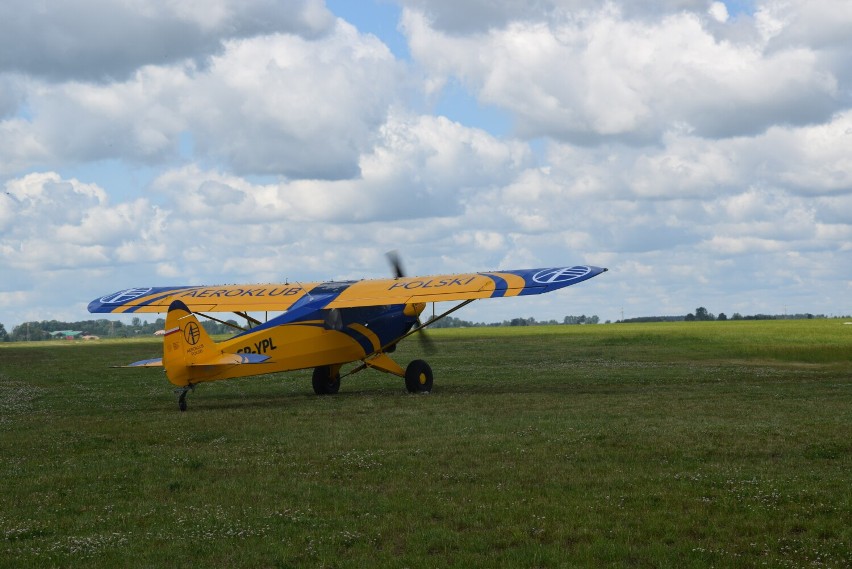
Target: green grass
x=650, y=445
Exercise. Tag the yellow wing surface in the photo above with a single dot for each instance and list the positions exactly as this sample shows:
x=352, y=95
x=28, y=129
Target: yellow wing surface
x=345, y=294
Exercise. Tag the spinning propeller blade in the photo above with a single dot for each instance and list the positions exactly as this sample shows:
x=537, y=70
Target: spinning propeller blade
x=398, y=273
x=396, y=264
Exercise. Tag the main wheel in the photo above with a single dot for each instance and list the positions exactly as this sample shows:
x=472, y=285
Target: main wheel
x=326, y=383
x=418, y=377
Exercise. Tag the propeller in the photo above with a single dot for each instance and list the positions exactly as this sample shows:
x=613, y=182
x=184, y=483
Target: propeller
x=398, y=272
x=396, y=264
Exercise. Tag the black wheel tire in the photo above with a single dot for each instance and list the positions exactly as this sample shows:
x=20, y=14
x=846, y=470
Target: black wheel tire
x=418, y=377
x=324, y=383
x=182, y=402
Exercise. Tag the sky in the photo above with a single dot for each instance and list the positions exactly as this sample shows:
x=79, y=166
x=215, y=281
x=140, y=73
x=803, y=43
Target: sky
x=700, y=150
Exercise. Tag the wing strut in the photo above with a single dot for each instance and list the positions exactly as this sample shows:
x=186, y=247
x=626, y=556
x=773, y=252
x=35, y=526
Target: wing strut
x=229, y=324
x=249, y=319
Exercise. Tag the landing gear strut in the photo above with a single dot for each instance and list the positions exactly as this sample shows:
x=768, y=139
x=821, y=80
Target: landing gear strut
x=181, y=392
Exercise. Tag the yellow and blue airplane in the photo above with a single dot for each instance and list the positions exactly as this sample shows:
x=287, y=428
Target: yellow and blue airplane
x=323, y=326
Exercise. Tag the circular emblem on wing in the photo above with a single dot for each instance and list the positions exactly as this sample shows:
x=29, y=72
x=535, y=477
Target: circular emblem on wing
x=560, y=275
x=126, y=295
x=191, y=333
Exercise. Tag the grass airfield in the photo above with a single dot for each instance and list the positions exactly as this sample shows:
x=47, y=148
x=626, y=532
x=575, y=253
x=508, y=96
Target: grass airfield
x=725, y=444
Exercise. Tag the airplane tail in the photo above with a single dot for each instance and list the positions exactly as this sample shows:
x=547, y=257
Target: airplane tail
x=190, y=355
x=185, y=344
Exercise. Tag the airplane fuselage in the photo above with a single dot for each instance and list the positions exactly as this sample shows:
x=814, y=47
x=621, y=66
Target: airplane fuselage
x=320, y=338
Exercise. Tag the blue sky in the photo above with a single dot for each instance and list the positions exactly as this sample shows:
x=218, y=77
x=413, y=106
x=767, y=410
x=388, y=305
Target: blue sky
x=695, y=148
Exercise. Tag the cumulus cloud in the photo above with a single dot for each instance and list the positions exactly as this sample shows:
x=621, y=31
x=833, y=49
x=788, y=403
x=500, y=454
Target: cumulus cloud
x=134, y=120
x=104, y=39
x=596, y=75
x=461, y=17
x=48, y=223
x=420, y=167
x=285, y=105
x=276, y=104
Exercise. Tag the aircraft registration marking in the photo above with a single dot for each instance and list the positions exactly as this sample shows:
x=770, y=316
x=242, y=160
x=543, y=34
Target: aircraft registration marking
x=261, y=347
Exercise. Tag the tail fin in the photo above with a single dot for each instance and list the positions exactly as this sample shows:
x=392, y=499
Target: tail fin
x=185, y=344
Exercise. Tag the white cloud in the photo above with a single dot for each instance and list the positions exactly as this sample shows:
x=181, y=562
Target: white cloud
x=595, y=75
x=48, y=224
x=818, y=23
x=286, y=105
x=266, y=105
x=719, y=12
x=463, y=17
x=421, y=167
x=105, y=39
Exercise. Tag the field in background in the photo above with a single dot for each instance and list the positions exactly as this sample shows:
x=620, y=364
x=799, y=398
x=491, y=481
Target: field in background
x=723, y=444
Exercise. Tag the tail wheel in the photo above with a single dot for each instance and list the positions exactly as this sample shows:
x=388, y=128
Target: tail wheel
x=418, y=377
x=326, y=381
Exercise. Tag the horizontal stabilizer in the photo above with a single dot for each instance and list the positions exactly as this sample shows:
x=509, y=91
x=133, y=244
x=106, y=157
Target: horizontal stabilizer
x=221, y=360
x=155, y=362
x=231, y=359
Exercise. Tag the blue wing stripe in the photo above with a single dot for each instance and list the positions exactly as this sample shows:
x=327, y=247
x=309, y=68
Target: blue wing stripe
x=500, y=285
x=152, y=300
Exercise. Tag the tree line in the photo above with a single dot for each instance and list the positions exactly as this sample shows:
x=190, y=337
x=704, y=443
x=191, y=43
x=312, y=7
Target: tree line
x=701, y=314
x=36, y=331
x=452, y=322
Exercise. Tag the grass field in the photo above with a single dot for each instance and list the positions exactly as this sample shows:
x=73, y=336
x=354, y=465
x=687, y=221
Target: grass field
x=725, y=444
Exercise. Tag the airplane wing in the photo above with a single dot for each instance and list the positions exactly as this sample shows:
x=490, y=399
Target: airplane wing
x=224, y=298
x=408, y=290
x=345, y=294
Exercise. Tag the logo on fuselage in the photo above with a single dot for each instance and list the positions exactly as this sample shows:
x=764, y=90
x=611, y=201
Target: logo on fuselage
x=125, y=295
x=560, y=275
x=191, y=333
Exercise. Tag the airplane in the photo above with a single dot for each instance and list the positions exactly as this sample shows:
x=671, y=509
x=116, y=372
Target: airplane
x=323, y=325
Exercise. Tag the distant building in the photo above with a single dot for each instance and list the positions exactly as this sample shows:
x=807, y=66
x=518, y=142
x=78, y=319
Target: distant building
x=66, y=334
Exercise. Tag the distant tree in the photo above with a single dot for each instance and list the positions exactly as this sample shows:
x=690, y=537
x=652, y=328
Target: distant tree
x=583, y=319
x=4, y=336
x=690, y=317
x=30, y=332
x=721, y=316
x=702, y=314
x=737, y=316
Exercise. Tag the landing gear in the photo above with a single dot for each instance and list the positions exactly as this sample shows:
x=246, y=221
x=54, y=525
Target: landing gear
x=418, y=377
x=326, y=380
x=181, y=393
